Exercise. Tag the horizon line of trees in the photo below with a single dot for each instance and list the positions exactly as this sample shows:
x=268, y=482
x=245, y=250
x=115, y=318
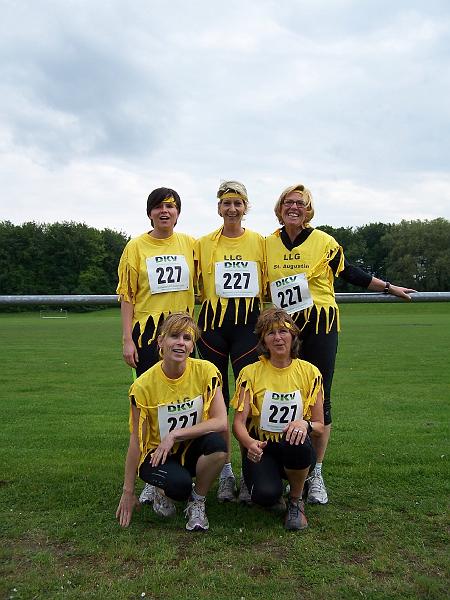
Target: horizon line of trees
x=73, y=258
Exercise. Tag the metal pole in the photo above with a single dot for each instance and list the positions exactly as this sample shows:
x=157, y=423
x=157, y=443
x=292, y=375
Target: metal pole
x=72, y=300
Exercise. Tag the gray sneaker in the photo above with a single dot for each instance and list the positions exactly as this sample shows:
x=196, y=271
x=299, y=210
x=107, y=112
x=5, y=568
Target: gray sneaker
x=295, y=516
x=244, y=495
x=317, y=492
x=162, y=505
x=148, y=494
x=227, y=489
x=196, y=515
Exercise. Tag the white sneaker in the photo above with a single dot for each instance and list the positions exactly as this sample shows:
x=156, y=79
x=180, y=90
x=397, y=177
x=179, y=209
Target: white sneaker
x=162, y=505
x=148, y=494
x=244, y=495
x=227, y=489
x=317, y=492
x=196, y=516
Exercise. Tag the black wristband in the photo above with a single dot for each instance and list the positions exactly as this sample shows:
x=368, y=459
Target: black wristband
x=310, y=427
x=387, y=287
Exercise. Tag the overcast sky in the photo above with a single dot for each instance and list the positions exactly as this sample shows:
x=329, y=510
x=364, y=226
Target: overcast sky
x=102, y=101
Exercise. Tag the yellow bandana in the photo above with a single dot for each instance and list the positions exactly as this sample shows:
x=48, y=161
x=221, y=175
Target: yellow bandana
x=231, y=195
x=279, y=325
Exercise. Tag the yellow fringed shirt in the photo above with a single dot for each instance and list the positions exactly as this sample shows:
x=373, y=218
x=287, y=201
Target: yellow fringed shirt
x=153, y=390
x=215, y=248
x=134, y=284
x=261, y=377
x=312, y=257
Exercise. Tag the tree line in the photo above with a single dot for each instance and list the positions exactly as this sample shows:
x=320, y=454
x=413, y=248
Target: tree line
x=72, y=258
x=58, y=258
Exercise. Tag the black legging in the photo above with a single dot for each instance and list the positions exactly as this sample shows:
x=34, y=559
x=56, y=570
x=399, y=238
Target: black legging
x=173, y=477
x=237, y=342
x=147, y=353
x=320, y=349
x=265, y=478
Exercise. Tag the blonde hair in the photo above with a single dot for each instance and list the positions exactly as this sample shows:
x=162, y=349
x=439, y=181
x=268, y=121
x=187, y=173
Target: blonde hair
x=180, y=322
x=233, y=187
x=306, y=196
x=276, y=318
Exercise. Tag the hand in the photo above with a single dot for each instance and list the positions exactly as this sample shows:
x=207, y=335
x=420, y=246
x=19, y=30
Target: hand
x=161, y=453
x=296, y=432
x=401, y=292
x=128, y=502
x=255, y=450
x=130, y=355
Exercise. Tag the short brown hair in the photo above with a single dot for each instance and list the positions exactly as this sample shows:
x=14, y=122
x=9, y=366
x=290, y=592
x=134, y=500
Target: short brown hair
x=159, y=195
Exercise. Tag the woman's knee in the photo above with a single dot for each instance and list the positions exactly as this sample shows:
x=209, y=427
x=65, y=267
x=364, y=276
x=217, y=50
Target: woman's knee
x=266, y=493
x=299, y=456
x=179, y=488
x=213, y=443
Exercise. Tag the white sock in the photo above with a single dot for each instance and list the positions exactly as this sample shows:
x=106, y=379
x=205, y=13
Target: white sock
x=196, y=496
x=318, y=469
x=227, y=471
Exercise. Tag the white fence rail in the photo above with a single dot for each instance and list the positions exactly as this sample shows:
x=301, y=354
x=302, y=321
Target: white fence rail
x=71, y=300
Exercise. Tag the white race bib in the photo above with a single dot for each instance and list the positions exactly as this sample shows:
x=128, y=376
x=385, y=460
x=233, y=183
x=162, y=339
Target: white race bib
x=279, y=409
x=167, y=273
x=291, y=293
x=237, y=279
x=178, y=416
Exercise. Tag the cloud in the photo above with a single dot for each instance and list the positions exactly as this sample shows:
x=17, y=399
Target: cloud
x=102, y=102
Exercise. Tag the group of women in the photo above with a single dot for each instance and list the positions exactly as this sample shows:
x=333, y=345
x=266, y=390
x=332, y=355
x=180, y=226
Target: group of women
x=282, y=358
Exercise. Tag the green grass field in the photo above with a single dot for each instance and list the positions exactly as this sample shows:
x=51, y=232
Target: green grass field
x=384, y=533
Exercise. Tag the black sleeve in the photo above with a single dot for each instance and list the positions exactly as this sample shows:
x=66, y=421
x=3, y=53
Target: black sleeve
x=350, y=273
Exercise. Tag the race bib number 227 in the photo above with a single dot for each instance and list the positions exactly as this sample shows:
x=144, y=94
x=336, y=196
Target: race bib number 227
x=179, y=415
x=167, y=273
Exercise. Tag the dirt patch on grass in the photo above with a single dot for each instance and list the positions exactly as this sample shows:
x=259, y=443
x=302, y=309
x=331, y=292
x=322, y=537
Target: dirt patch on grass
x=273, y=549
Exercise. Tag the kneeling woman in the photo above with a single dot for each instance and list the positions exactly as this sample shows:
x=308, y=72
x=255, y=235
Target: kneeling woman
x=279, y=406
x=177, y=416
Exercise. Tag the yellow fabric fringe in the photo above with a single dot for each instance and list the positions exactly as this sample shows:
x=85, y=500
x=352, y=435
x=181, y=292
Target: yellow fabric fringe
x=238, y=404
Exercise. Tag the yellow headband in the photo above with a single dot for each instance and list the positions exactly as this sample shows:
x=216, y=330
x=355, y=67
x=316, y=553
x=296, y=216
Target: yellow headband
x=232, y=195
x=278, y=325
x=169, y=200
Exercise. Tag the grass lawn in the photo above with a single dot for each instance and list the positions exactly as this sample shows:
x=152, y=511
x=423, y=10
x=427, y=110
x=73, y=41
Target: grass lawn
x=384, y=533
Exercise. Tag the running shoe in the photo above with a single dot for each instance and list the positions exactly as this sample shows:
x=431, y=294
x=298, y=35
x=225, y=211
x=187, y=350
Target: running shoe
x=162, y=505
x=227, y=489
x=244, y=495
x=295, y=516
x=317, y=492
x=196, y=515
x=148, y=494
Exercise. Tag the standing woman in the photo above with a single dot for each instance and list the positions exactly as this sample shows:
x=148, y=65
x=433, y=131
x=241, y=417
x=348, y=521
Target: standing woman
x=155, y=278
x=177, y=415
x=302, y=263
x=156, y=273
x=230, y=266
